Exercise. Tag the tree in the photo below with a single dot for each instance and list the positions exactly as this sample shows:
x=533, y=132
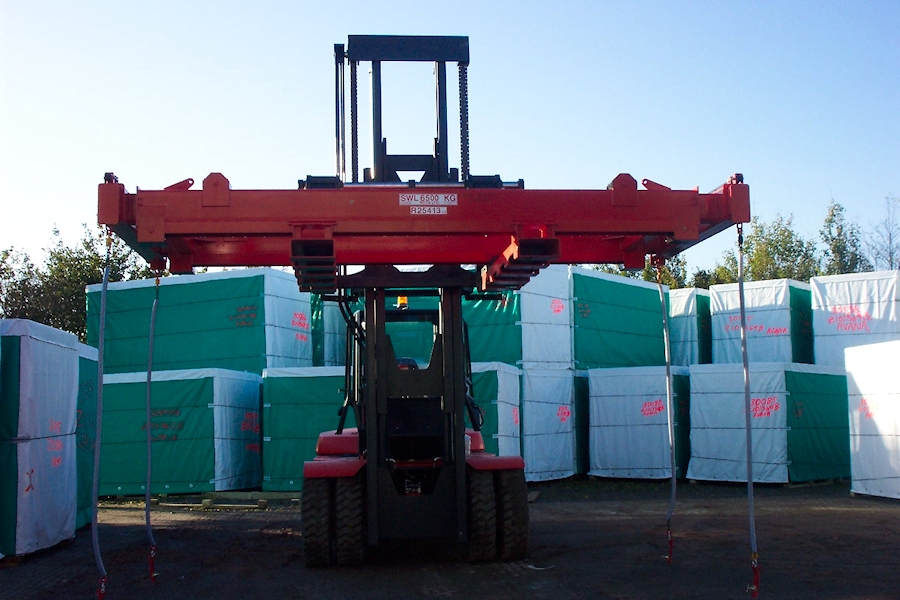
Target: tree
x=55, y=294
x=843, y=244
x=20, y=296
x=674, y=272
x=883, y=243
x=721, y=273
x=615, y=269
x=776, y=251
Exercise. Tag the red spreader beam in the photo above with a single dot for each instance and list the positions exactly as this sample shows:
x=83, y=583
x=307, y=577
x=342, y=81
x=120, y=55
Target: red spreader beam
x=509, y=232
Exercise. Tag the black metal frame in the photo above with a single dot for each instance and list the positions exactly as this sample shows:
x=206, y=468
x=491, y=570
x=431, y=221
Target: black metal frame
x=391, y=48
x=432, y=397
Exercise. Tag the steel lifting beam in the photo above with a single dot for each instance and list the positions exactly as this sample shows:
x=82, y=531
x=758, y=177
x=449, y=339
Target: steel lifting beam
x=510, y=232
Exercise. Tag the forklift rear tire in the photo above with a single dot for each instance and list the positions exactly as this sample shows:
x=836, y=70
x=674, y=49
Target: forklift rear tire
x=512, y=514
x=349, y=520
x=482, y=515
x=315, y=516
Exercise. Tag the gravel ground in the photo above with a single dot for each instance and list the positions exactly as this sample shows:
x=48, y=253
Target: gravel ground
x=589, y=538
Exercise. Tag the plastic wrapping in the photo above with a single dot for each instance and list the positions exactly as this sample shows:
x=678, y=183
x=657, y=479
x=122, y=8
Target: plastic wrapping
x=206, y=432
x=798, y=417
x=874, y=413
x=617, y=321
x=38, y=391
x=854, y=310
x=548, y=440
x=629, y=422
x=690, y=327
x=496, y=391
x=298, y=405
x=779, y=322
x=242, y=320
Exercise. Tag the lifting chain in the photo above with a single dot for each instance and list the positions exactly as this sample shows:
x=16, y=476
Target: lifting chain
x=464, y=121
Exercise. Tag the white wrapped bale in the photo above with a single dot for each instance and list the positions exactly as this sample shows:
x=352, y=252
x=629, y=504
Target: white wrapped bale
x=853, y=310
x=874, y=407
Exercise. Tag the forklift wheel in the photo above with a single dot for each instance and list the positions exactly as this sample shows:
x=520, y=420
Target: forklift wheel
x=315, y=516
x=482, y=515
x=349, y=520
x=512, y=515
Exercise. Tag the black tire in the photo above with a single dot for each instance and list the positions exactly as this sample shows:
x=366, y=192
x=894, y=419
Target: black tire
x=315, y=518
x=482, y=503
x=349, y=518
x=512, y=515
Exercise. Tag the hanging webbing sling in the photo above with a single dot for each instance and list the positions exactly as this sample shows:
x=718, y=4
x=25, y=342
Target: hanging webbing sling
x=670, y=408
x=754, y=555
x=95, y=540
x=147, y=425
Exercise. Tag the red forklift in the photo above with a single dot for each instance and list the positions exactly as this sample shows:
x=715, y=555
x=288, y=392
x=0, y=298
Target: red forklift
x=414, y=467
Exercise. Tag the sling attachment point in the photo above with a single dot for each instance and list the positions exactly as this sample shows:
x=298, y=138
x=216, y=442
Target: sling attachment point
x=153, y=572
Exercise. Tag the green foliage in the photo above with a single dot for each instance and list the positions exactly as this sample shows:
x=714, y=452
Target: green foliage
x=55, y=294
x=674, y=272
x=843, y=244
x=727, y=273
x=776, y=251
x=615, y=269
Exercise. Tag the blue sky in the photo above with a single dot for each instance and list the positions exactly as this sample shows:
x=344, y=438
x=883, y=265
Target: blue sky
x=801, y=97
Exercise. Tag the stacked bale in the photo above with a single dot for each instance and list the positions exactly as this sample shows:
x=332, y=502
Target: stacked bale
x=38, y=393
x=205, y=432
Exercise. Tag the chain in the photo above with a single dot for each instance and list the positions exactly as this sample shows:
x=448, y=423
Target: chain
x=464, y=121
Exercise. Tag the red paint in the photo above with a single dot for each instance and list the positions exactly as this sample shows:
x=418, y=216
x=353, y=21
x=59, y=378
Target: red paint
x=557, y=306
x=849, y=318
x=482, y=461
x=300, y=321
x=563, y=413
x=764, y=407
x=56, y=427
x=332, y=466
x=866, y=408
x=244, y=316
x=360, y=224
x=54, y=445
x=655, y=407
x=584, y=310
x=515, y=412
x=251, y=422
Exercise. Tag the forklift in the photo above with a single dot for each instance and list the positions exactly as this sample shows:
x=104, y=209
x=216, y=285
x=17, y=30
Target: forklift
x=415, y=466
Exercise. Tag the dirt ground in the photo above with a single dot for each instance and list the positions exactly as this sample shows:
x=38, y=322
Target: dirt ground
x=589, y=538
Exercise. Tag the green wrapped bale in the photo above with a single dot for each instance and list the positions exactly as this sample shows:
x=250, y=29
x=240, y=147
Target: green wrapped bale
x=86, y=432
x=241, y=320
x=298, y=405
x=617, y=321
x=205, y=430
